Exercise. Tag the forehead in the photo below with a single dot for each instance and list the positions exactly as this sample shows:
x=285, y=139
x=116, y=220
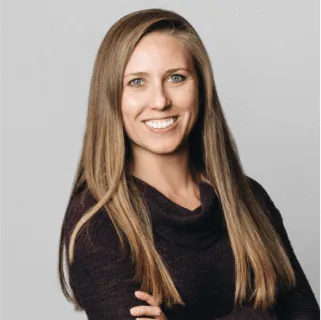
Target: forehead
x=158, y=51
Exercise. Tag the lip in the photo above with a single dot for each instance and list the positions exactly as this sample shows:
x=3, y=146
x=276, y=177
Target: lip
x=156, y=119
x=160, y=130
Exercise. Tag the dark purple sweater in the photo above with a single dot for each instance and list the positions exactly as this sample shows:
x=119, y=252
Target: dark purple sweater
x=196, y=249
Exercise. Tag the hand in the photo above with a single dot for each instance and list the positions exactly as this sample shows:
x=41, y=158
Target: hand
x=154, y=310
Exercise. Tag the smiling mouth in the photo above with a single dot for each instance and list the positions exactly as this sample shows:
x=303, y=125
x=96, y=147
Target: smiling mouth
x=161, y=124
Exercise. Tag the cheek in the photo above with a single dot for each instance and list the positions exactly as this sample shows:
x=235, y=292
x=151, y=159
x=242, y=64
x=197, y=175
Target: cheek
x=130, y=109
x=188, y=100
x=128, y=120
x=128, y=126
x=132, y=101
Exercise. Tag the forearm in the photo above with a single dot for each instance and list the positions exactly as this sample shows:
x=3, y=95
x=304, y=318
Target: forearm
x=248, y=313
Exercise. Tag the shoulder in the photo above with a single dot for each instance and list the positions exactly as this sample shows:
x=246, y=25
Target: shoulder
x=78, y=205
x=257, y=187
x=264, y=197
x=96, y=235
x=273, y=214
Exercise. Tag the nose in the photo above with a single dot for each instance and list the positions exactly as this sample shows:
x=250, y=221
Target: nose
x=159, y=99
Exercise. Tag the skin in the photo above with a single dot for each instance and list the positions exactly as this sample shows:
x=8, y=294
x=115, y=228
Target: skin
x=153, y=310
x=161, y=92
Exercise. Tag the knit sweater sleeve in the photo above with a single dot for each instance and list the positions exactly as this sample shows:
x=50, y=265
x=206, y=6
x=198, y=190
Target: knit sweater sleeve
x=100, y=276
x=104, y=287
x=298, y=303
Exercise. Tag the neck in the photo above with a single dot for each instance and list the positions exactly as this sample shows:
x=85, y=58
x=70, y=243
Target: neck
x=169, y=173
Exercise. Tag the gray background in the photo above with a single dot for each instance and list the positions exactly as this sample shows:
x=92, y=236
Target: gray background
x=265, y=57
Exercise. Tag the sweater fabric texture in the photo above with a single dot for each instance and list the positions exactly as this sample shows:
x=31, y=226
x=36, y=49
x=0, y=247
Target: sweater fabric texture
x=195, y=247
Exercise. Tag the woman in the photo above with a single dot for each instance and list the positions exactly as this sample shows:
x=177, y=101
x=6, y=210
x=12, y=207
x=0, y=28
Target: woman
x=160, y=202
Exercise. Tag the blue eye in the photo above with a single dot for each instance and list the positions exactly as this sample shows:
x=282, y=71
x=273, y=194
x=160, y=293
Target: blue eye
x=177, y=78
x=135, y=82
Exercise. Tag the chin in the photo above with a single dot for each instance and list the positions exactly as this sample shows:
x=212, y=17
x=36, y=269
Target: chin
x=163, y=149
x=158, y=147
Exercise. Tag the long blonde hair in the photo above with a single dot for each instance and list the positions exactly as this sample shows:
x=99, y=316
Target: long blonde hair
x=104, y=166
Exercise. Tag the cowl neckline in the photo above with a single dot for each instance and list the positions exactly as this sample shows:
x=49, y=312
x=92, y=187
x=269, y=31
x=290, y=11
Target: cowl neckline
x=196, y=229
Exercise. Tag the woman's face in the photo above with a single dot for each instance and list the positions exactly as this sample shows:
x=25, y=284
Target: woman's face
x=160, y=99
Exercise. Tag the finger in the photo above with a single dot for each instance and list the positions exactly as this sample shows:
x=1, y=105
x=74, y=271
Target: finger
x=146, y=311
x=146, y=297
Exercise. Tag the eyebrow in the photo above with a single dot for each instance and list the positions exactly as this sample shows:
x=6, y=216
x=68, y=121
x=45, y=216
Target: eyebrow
x=141, y=73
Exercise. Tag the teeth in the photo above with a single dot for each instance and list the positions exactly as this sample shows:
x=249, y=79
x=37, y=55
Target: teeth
x=161, y=124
